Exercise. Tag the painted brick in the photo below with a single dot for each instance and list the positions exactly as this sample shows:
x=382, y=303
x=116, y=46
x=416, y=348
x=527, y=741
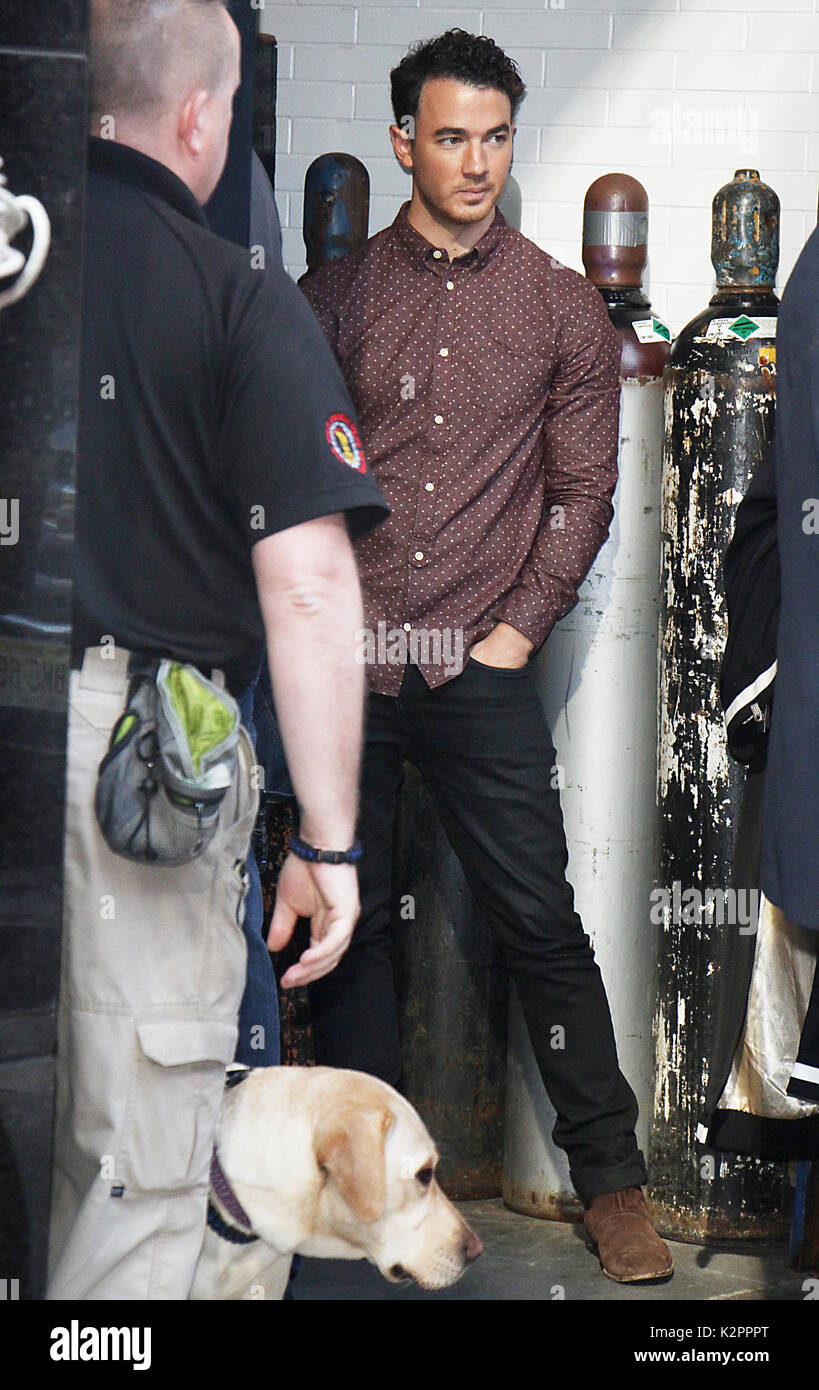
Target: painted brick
x=689, y=188
x=303, y=24
x=372, y=102
x=387, y=177
x=607, y=147
x=292, y=245
x=284, y=61
x=561, y=183
x=619, y=5
x=681, y=303
x=531, y=64
x=342, y=63
x=681, y=265
x=677, y=32
x=659, y=222
x=798, y=113
x=559, y=222
x=743, y=6
x=688, y=91
x=794, y=230
x=290, y=170
x=528, y=221
x=609, y=70
x=550, y=106
x=547, y=29
x=361, y=138
x=752, y=149
x=775, y=33
x=284, y=134
x=686, y=226
x=383, y=211
x=676, y=115
x=527, y=144
x=404, y=26
x=744, y=72
x=326, y=99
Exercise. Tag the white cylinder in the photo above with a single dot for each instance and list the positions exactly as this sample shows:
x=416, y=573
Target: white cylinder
x=597, y=680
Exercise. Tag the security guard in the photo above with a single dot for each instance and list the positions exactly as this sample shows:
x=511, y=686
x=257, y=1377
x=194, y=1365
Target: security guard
x=217, y=453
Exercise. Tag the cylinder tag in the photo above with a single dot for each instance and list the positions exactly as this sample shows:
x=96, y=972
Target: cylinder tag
x=652, y=330
x=729, y=330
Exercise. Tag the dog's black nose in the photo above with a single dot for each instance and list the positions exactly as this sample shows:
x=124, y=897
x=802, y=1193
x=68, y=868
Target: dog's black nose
x=398, y=1272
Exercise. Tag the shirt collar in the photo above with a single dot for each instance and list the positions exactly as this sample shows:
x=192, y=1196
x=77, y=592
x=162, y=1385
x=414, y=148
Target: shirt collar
x=422, y=252
x=132, y=166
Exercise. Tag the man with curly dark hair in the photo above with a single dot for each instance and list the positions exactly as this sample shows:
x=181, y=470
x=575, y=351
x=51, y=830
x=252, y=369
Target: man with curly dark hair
x=486, y=379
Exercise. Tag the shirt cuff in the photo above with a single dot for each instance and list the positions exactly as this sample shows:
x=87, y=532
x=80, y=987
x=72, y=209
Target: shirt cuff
x=518, y=609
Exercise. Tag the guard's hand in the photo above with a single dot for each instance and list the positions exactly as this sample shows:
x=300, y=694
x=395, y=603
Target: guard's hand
x=328, y=895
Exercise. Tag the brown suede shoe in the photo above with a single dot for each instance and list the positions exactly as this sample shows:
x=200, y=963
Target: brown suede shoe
x=628, y=1246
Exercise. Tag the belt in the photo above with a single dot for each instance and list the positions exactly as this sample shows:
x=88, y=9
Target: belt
x=112, y=656
x=135, y=659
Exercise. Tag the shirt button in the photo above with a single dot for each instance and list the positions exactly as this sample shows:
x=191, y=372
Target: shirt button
x=419, y=554
x=439, y=419
x=450, y=284
x=444, y=352
x=408, y=627
x=430, y=487
x=437, y=255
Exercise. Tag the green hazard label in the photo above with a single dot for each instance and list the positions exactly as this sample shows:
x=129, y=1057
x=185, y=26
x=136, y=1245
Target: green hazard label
x=729, y=330
x=743, y=327
x=651, y=330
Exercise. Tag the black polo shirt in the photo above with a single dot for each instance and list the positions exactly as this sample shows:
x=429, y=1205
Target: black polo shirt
x=212, y=414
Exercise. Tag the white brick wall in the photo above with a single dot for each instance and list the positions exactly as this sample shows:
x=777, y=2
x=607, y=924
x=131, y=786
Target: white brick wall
x=678, y=93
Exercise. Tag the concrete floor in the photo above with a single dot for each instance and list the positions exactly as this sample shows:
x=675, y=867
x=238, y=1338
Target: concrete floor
x=526, y=1259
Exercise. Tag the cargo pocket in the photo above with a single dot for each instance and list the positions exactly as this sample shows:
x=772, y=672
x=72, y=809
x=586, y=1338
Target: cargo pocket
x=177, y=1083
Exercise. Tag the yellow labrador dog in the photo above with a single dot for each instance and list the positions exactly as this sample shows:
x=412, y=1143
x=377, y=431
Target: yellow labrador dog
x=324, y=1162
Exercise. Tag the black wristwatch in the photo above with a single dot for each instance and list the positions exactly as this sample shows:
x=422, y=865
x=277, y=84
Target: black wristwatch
x=325, y=856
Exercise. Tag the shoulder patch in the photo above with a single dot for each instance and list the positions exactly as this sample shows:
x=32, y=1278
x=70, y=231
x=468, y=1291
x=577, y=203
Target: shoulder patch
x=342, y=436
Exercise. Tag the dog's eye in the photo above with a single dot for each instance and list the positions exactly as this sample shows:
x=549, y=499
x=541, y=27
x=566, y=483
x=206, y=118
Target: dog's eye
x=424, y=1176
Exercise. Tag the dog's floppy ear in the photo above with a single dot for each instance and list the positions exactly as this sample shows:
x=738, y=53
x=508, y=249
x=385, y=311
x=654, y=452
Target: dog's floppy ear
x=350, y=1148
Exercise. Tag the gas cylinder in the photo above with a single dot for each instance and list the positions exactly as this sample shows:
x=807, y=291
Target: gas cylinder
x=336, y=208
x=597, y=679
x=451, y=992
x=719, y=415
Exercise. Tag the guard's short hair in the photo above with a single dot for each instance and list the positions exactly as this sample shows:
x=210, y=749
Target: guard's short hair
x=146, y=53
x=471, y=58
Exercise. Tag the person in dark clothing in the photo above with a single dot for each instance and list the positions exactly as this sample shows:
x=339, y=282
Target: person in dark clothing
x=214, y=517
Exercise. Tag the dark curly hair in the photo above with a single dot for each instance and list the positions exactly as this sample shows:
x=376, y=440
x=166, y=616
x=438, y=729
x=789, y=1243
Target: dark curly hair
x=472, y=58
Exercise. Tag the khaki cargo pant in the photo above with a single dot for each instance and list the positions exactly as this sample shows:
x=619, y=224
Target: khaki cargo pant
x=152, y=977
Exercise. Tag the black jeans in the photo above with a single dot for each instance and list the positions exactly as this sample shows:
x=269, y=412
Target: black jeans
x=484, y=750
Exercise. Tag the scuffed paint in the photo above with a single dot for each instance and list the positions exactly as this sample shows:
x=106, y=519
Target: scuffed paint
x=718, y=414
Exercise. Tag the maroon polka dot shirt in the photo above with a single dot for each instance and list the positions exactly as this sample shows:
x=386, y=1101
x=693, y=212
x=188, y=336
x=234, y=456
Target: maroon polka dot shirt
x=487, y=390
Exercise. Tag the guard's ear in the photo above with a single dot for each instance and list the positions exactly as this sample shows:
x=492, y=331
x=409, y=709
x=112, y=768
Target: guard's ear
x=350, y=1149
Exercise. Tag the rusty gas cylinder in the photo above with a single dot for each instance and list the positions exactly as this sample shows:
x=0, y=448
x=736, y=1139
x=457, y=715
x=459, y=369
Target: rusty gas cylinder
x=719, y=416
